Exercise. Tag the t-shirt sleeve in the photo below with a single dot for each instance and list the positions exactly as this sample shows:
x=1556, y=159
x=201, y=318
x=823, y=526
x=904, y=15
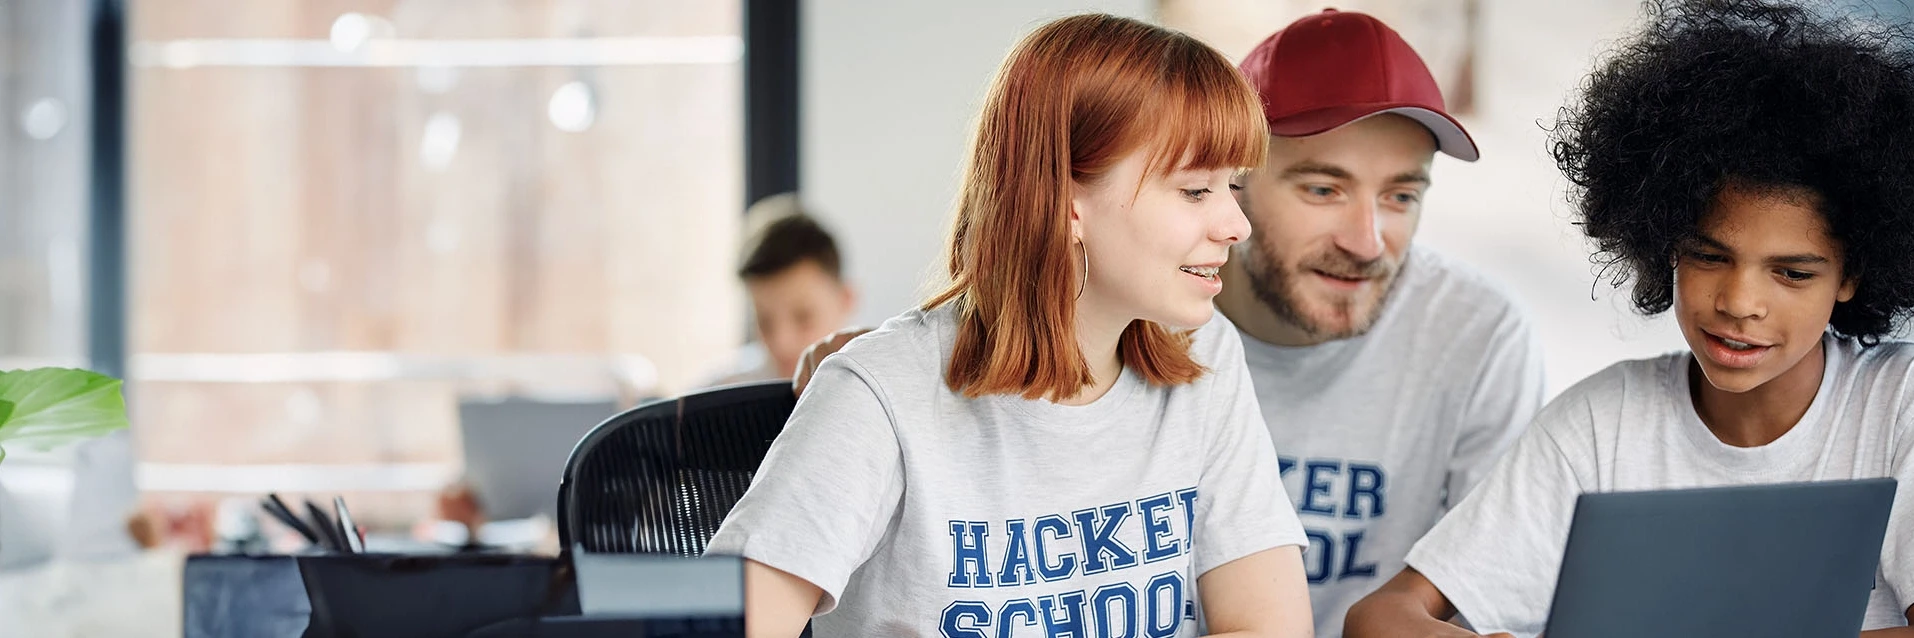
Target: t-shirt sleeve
x=827, y=490
x=1507, y=394
x=1497, y=554
x=1897, y=552
x=1241, y=505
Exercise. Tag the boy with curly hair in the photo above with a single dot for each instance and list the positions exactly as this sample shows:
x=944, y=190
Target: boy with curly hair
x=1749, y=166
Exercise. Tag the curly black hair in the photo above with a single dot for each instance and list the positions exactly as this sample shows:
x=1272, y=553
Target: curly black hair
x=1720, y=92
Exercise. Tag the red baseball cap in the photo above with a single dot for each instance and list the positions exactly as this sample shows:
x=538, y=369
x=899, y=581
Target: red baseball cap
x=1336, y=67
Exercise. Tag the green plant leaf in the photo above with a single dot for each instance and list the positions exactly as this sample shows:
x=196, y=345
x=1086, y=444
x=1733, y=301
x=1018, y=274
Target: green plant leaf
x=48, y=407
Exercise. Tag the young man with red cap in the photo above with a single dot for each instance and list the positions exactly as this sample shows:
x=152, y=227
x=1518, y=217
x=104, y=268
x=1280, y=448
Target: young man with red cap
x=1391, y=377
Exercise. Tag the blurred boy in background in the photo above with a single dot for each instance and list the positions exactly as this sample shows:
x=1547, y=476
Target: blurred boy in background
x=791, y=268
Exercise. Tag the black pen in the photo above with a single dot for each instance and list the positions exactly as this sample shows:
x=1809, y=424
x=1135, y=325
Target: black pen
x=355, y=543
x=327, y=528
x=277, y=508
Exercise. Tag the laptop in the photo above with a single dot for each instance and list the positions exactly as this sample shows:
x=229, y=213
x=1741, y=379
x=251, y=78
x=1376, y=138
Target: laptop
x=659, y=585
x=516, y=449
x=445, y=596
x=1792, y=560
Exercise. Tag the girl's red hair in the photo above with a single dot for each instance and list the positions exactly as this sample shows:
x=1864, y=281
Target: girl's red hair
x=1071, y=101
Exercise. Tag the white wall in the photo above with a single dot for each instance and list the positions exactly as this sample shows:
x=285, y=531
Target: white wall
x=891, y=88
x=889, y=92
x=1507, y=213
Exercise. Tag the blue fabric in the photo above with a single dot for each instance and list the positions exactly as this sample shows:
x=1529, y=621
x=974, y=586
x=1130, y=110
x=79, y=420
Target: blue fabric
x=243, y=597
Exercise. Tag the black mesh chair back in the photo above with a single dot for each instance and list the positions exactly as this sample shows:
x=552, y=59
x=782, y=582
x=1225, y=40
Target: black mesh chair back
x=660, y=477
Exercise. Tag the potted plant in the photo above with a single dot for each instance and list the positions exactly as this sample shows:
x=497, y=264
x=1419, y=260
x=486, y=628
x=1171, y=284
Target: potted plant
x=48, y=407
x=44, y=408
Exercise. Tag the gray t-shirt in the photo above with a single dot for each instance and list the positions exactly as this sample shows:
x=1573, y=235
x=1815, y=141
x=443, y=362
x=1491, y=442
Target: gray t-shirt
x=922, y=513
x=1634, y=427
x=1380, y=434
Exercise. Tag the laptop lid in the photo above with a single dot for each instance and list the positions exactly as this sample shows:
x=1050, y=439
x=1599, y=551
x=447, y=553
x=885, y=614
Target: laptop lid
x=515, y=451
x=1792, y=560
x=659, y=585
x=442, y=596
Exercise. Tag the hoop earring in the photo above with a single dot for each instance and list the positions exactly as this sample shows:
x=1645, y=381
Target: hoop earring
x=1085, y=281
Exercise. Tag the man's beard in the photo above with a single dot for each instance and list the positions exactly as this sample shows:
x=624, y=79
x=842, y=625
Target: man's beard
x=1276, y=287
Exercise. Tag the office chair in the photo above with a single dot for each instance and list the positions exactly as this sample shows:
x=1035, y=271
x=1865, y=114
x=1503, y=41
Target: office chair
x=660, y=477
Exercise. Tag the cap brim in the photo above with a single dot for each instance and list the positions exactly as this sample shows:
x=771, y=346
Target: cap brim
x=1450, y=137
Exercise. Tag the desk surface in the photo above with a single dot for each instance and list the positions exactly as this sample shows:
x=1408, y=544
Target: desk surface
x=138, y=595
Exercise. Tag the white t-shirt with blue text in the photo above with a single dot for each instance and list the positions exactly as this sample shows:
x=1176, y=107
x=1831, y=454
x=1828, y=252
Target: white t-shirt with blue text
x=920, y=512
x=1633, y=427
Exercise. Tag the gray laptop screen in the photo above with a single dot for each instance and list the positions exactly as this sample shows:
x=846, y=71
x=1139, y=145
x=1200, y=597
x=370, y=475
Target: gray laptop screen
x=659, y=586
x=1793, y=560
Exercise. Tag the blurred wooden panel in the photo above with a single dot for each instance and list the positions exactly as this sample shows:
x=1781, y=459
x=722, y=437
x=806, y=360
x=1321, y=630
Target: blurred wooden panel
x=171, y=19
x=564, y=18
x=1443, y=32
x=317, y=423
x=424, y=211
x=691, y=306
x=297, y=209
x=215, y=209
x=155, y=20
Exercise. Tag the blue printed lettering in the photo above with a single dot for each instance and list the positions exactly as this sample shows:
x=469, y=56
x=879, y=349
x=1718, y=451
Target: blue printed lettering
x=1113, y=622
x=1016, y=613
x=1063, y=615
x=1188, y=499
x=970, y=565
x=1066, y=563
x=1320, y=557
x=1017, y=569
x=1317, y=475
x=1164, y=599
x=1364, y=481
x=1352, y=542
x=1102, y=550
x=955, y=617
x=1156, y=526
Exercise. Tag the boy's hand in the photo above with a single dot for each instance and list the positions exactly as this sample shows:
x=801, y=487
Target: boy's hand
x=815, y=354
x=459, y=504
